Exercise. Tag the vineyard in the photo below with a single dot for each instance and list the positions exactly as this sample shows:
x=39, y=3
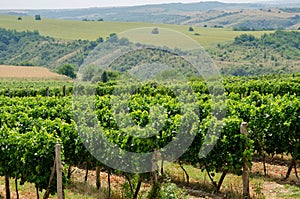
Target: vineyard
x=35, y=116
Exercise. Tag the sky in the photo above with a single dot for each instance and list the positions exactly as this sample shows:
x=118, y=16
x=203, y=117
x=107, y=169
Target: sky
x=60, y=4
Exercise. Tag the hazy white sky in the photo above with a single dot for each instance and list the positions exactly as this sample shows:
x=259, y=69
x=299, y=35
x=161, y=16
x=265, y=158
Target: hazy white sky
x=49, y=4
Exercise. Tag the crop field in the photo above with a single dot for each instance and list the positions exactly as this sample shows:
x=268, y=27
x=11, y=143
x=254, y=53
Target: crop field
x=91, y=30
x=35, y=118
x=26, y=72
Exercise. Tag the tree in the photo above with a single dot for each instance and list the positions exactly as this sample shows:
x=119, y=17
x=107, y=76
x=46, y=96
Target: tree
x=124, y=42
x=191, y=29
x=104, y=77
x=100, y=40
x=67, y=70
x=19, y=18
x=245, y=39
x=113, y=38
x=38, y=17
x=91, y=73
x=109, y=76
x=155, y=31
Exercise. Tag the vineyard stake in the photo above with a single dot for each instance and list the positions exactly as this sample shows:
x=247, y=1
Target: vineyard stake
x=246, y=192
x=59, y=171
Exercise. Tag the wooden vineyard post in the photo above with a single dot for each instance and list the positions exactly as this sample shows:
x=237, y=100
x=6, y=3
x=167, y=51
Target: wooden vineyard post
x=155, y=158
x=155, y=188
x=98, y=176
x=47, y=92
x=246, y=192
x=60, y=194
x=64, y=91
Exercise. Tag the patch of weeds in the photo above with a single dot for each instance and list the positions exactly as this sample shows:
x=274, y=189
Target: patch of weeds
x=257, y=188
x=172, y=191
x=293, y=192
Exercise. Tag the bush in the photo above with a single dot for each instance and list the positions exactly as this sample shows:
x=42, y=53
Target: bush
x=171, y=191
x=67, y=70
x=38, y=17
x=155, y=31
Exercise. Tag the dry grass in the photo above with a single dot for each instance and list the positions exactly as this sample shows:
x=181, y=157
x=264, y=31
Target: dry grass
x=26, y=72
x=271, y=186
x=199, y=187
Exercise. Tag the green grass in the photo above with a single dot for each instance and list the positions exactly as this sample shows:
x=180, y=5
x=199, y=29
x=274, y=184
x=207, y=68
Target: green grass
x=91, y=30
x=292, y=192
x=232, y=186
x=74, y=190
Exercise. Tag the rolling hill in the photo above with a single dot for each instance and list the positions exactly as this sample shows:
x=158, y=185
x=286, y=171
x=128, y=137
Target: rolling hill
x=92, y=30
x=265, y=15
x=54, y=42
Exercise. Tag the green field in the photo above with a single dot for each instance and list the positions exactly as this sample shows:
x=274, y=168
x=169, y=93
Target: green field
x=91, y=30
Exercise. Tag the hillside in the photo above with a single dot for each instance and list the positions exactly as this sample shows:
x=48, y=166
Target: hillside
x=259, y=19
x=31, y=49
x=244, y=55
x=249, y=55
x=92, y=30
x=270, y=15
